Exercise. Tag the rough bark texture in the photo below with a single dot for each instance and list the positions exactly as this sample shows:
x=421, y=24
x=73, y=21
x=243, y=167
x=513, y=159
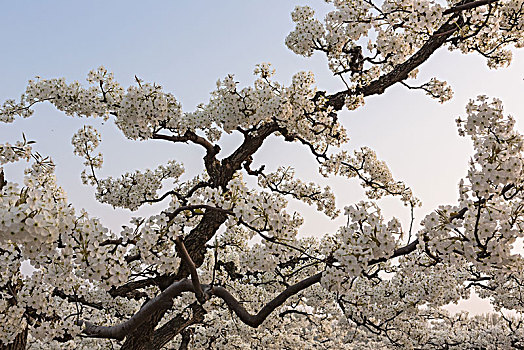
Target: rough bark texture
x=178, y=325
x=142, y=337
x=20, y=342
x=186, y=338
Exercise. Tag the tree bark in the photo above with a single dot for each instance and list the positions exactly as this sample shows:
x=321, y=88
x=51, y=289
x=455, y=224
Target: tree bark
x=178, y=325
x=186, y=338
x=402, y=70
x=19, y=343
x=147, y=338
x=142, y=337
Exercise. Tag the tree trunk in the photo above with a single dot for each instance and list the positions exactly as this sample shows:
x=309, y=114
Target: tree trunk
x=186, y=338
x=146, y=337
x=142, y=337
x=19, y=343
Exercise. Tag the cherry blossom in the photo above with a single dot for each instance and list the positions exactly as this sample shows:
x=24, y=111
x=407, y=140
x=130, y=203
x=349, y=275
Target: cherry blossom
x=224, y=263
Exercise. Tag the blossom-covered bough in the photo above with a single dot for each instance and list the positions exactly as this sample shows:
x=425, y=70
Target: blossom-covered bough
x=221, y=265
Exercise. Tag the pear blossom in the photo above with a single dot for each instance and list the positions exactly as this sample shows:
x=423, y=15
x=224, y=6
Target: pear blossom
x=224, y=262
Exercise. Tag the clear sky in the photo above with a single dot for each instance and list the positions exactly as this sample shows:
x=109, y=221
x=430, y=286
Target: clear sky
x=185, y=46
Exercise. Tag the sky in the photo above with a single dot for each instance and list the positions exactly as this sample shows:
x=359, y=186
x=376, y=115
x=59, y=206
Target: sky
x=185, y=46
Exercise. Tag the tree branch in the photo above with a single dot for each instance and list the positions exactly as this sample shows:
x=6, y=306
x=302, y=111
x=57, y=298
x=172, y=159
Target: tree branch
x=411, y=247
x=178, y=210
x=467, y=6
x=189, y=136
x=210, y=161
x=181, y=248
x=76, y=299
x=130, y=288
x=256, y=320
x=176, y=325
x=402, y=70
x=119, y=332
x=3, y=182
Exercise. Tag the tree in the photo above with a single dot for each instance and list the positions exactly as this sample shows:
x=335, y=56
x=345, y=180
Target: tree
x=221, y=266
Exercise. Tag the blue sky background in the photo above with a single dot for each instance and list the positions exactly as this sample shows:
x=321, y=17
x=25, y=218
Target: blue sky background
x=185, y=46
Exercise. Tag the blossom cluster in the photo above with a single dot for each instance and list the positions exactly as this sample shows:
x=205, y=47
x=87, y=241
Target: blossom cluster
x=490, y=196
x=374, y=174
x=283, y=181
x=144, y=109
x=133, y=189
x=13, y=153
x=85, y=141
x=293, y=108
x=153, y=240
x=81, y=270
x=366, y=237
x=139, y=111
x=33, y=215
x=495, y=28
x=364, y=40
x=40, y=227
x=438, y=89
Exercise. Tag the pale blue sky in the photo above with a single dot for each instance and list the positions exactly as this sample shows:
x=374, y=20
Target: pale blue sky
x=186, y=46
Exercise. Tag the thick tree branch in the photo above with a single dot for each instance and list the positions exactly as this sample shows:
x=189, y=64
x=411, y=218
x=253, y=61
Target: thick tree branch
x=130, y=289
x=193, y=207
x=401, y=71
x=468, y=6
x=119, y=332
x=182, y=251
x=186, y=339
x=256, y=320
x=164, y=300
x=176, y=325
x=248, y=147
x=189, y=136
x=76, y=299
x=19, y=343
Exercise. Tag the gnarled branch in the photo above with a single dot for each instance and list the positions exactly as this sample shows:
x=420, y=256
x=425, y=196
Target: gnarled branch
x=119, y=332
x=256, y=320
